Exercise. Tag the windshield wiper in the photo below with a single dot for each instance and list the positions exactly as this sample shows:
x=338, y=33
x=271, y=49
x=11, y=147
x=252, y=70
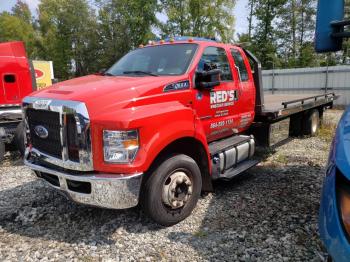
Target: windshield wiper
x=139, y=72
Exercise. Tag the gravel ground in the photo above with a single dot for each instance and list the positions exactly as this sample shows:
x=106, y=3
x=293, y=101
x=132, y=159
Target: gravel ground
x=269, y=214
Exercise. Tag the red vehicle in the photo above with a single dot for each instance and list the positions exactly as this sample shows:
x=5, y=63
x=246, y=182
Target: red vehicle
x=159, y=126
x=17, y=80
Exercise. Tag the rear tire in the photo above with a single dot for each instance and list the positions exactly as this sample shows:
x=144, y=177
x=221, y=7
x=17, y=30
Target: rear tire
x=172, y=190
x=2, y=151
x=311, y=123
x=19, y=138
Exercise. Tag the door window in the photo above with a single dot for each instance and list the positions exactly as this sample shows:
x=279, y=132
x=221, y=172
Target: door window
x=239, y=61
x=215, y=58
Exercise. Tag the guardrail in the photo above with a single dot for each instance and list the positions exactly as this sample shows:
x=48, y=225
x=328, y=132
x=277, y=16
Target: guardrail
x=319, y=80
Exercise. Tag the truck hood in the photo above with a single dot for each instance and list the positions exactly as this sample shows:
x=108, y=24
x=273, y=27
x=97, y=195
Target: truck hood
x=104, y=93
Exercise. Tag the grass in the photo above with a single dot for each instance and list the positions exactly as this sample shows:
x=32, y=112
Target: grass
x=87, y=259
x=282, y=159
x=327, y=131
x=200, y=234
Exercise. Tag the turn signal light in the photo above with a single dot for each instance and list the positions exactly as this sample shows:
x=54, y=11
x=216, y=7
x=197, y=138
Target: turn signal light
x=131, y=144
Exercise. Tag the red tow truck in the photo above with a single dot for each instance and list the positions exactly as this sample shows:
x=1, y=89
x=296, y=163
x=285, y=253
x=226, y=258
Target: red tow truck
x=160, y=125
x=17, y=80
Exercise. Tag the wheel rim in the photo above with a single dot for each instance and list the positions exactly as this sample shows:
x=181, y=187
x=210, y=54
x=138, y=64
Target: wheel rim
x=314, y=123
x=177, y=190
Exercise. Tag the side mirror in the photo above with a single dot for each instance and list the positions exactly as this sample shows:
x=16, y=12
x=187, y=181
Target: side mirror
x=208, y=79
x=328, y=12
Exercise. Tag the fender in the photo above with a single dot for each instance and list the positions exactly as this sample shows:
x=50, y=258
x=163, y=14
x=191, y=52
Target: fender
x=340, y=151
x=200, y=135
x=158, y=124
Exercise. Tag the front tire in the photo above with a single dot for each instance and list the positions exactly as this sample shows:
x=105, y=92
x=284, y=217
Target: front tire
x=172, y=190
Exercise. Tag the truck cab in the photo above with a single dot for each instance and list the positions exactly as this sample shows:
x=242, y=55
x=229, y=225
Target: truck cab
x=17, y=80
x=156, y=128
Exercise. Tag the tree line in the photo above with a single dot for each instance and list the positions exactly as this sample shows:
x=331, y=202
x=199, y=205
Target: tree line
x=84, y=36
x=281, y=34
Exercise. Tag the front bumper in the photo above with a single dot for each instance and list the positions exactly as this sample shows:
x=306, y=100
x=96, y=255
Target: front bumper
x=331, y=230
x=115, y=191
x=11, y=113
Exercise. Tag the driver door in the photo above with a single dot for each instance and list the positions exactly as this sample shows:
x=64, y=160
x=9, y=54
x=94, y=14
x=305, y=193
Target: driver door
x=215, y=107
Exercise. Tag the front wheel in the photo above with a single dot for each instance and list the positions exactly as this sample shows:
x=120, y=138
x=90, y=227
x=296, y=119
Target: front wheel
x=172, y=190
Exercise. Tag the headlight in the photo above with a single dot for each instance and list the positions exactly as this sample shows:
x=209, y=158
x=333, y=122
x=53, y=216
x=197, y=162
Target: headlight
x=120, y=146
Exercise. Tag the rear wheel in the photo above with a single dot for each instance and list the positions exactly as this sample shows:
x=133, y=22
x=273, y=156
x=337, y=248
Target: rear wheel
x=2, y=150
x=172, y=190
x=311, y=123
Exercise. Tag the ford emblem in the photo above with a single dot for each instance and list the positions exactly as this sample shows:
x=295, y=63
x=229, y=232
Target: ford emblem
x=41, y=131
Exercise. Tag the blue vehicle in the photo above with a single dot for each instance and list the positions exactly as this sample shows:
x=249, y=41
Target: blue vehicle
x=334, y=218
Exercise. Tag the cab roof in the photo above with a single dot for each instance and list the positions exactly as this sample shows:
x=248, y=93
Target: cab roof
x=187, y=39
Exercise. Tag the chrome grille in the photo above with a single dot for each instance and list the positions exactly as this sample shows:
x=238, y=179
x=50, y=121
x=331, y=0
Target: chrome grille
x=68, y=144
x=51, y=121
x=72, y=139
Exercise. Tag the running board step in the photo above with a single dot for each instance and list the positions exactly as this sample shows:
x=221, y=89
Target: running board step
x=229, y=153
x=240, y=168
x=224, y=144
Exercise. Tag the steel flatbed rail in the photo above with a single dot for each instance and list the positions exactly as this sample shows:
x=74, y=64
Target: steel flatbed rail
x=280, y=106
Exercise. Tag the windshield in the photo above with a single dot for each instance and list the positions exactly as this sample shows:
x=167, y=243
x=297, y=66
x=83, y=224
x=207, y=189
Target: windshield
x=172, y=59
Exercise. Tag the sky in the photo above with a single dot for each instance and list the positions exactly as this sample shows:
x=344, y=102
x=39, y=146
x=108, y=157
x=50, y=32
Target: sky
x=240, y=11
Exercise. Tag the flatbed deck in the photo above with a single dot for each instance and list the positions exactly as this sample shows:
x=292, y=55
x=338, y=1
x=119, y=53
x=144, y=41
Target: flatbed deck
x=283, y=105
